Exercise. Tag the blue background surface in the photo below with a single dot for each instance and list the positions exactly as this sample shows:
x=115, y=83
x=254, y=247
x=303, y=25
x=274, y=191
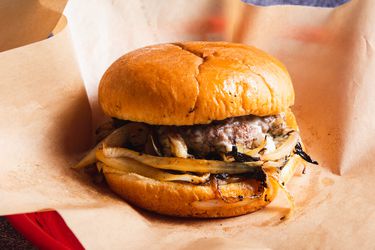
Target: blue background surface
x=322, y=3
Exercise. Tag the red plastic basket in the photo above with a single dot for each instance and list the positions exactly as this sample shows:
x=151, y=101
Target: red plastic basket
x=46, y=230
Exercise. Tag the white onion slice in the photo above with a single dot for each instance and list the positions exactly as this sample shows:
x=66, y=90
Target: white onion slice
x=284, y=150
x=178, y=146
x=116, y=138
x=182, y=164
x=252, y=152
x=126, y=165
x=288, y=195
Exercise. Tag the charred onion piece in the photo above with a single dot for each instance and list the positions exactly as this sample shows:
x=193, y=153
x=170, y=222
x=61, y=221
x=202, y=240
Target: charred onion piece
x=241, y=157
x=182, y=164
x=116, y=138
x=299, y=151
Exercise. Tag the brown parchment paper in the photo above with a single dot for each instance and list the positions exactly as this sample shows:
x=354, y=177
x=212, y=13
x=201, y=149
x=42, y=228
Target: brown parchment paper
x=23, y=22
x=45, y=122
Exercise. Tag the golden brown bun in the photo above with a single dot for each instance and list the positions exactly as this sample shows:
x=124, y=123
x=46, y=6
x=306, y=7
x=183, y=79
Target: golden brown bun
x=194, y=83
x=188, y=200
x=178, y=199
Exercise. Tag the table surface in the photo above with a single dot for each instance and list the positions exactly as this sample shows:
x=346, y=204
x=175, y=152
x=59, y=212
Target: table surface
x=11, y=239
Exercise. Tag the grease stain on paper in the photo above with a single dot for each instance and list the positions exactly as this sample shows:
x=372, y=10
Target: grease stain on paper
x=327, y=181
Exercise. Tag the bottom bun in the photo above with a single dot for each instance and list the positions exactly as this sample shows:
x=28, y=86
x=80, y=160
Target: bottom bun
x=189, y=200
x=186, y=200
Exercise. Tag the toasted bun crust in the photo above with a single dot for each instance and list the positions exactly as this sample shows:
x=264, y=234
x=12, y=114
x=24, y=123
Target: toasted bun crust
x=194, y=83
x=185, y=200
x=188, y=200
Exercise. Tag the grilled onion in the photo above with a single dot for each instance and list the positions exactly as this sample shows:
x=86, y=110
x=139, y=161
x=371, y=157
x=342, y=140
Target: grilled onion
x=178, y=146
x=288, y=195
x=182, y=164
x=126, y=165
x=273, y=164
x=288, y=169
x=253, y=152
x=116, y=138
x=284, y=150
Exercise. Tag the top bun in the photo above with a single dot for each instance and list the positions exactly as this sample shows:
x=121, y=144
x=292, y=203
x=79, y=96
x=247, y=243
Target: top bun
x=194, y=83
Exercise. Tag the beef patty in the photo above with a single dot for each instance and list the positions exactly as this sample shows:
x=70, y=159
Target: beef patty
x=219, y=136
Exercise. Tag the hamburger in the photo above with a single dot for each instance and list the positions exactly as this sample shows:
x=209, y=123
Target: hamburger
x=199, y=129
